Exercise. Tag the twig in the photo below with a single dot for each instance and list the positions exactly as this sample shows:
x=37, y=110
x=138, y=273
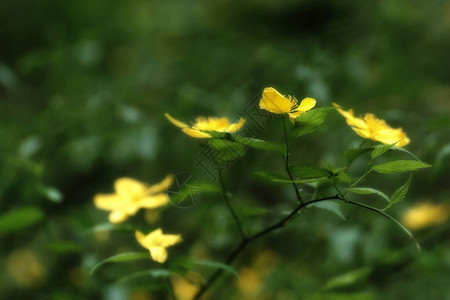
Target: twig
x=286, y=163
x=283, y=222
x=230, y=208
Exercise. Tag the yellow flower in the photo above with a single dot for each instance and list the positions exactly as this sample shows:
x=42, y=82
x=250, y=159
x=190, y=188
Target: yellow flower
x=184, y=287
x=425, y=214
x=370, y=127
x=250, y=282
x=25, y=267
x=157, y=242
x=131, y=195
x=207, y=124
x=276, y=103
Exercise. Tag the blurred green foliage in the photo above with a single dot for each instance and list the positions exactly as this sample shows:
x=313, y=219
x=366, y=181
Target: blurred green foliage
x=83, y=89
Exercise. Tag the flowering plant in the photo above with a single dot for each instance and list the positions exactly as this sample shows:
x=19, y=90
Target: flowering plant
x=327, y=182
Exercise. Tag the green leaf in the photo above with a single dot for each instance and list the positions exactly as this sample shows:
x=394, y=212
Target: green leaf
x=51, y=193
x=272, y=176
x=249, y=211
x=405, y=151
x=352, y=154
x=110, y=227
x=379, y=150
x=348, y=279
x=366, y=191
x=399, y=194
x=310, y=121
x=246, y=141
x=20, y=218
x=308, y=172
x=224, y=150
x=123, y=257
x=154, y=273
x=212, y=264
x=343, y=177
x=331, y=206
x=189, y=193
x=337, y=173
x=282, y=179
x=192, y=191
x=63, y=247
x=397, y=166
x=260, y=144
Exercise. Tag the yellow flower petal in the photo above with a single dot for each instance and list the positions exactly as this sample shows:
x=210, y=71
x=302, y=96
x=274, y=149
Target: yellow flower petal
x=235, y=126
x=274, y=102
x=157, y=242
x=162, y=186
x=403, y=141
x=175, y=122
x=168, y=240
x=117, y=216
x=132, y=195
x=154, y=201
x=108, y=201
x=306, y=104
x=141, y=238
x=158, y=254
x=129, y=188
x=364, y=133
x=385, y=134
x=370, y=127
x=211, y=123
x=390, y=136
x=350, y=118
x=206, y=124
x=195, y=133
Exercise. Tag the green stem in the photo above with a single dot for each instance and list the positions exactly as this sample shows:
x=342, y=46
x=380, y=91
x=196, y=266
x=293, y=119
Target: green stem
x=286, y=163
x=283, y=222
x=362, y=144
x=379, y=211
x=230, y=208
x=337, y=189
x=359, y=147
x=367, y=172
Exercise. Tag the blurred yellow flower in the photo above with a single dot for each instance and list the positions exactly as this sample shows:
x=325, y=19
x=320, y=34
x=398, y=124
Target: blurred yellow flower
x=207, y=124
x=140, y=295
x=25, y=267
x=370, y=127
x=276, y=103
x=157, y=242
x=131, y=195
x=425, y=214
x=250, y=282
x=184, y=289
x=77, y=276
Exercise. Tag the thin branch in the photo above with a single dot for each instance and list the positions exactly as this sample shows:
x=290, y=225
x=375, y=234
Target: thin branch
x=378, y=211
x=286, y=163
x=230, y=208
x=238, y=250
x=367, y=172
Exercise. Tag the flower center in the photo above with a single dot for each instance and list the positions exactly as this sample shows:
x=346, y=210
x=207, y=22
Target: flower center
x=294, y=103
